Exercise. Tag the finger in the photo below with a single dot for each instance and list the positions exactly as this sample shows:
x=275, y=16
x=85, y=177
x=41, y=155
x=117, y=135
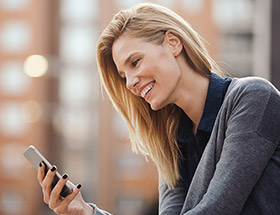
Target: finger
x=41, y=172
x=47, y=184
x=55, y=194
x=62, y=208
x=68, y=199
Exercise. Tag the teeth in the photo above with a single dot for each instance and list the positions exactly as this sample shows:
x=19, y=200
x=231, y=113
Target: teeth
x=147, y=89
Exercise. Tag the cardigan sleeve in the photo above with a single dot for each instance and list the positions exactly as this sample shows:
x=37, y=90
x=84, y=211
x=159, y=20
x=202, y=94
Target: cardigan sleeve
x=98, y=211
x=251, y=136
x=171, y=200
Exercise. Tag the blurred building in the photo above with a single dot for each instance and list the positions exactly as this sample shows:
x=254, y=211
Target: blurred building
x=58, y=106
x=275, y=44
x=248, y=40
x=25, y=99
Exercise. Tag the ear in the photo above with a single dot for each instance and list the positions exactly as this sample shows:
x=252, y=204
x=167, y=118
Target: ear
x=174, y=43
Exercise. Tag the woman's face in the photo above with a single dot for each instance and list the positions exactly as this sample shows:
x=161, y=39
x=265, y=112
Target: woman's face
x=151, y=71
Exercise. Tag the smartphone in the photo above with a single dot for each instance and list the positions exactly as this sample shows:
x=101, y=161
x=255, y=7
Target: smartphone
x=35, y=158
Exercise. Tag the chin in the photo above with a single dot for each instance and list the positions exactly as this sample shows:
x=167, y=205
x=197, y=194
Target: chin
x=155, y=106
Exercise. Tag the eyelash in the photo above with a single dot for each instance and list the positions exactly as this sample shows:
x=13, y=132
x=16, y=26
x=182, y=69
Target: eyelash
x=135, y=62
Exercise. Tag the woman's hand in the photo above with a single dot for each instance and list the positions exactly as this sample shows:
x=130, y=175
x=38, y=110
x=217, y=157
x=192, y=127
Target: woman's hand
x=72, y=204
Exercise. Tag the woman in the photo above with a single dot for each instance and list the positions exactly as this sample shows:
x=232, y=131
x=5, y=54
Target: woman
x=214, y=140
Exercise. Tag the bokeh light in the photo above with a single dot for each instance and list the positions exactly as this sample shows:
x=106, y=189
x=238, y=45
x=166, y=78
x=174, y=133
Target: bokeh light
x=35, y=65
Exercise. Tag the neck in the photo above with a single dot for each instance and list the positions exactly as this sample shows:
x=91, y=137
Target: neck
x=193, y=95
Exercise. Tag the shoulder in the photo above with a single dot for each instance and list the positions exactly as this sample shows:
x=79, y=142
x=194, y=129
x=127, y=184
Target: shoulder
x=252, y=83
x=251, y=86
x=255, y=104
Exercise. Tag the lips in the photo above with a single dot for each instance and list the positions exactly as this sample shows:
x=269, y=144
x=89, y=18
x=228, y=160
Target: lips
x=146, y=89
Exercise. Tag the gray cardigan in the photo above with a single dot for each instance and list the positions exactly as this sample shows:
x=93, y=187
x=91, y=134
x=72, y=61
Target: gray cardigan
x=239, y=172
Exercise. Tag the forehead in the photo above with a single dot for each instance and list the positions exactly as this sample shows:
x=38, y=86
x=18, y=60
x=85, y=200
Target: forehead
x=125, y=46
x=124, y=39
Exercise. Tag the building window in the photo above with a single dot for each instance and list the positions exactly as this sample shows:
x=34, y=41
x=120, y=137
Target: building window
x=12, y=122
x=13, y=82
x=14, y=5
x=15, y=37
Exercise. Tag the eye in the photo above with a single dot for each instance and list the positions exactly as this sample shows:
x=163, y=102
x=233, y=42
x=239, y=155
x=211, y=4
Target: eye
x=135, y=62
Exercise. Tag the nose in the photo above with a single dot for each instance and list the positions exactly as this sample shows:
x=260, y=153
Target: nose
x=132, y=81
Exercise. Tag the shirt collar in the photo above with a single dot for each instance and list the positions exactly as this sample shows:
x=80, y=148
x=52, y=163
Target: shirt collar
x=215, y=95
x=213, y=102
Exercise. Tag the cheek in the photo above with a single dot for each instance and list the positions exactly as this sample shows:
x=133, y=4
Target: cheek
x=169, y=63
x=164, y=90
x=171, y=71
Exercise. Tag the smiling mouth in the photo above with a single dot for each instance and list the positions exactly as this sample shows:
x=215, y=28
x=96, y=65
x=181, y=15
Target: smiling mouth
x=147, y=89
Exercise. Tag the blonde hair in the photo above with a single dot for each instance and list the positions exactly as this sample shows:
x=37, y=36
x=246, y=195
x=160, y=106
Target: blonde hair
x=153, y=133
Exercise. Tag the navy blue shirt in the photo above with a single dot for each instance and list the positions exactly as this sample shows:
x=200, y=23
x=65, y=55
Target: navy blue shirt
x=191, y=145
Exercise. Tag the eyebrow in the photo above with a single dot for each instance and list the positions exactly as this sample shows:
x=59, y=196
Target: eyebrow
x=129, y=58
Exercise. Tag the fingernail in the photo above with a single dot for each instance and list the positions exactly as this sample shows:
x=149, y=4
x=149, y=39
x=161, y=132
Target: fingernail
x=40, y=164
x=65, y=176
x=79, y=186
x=53, y=168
